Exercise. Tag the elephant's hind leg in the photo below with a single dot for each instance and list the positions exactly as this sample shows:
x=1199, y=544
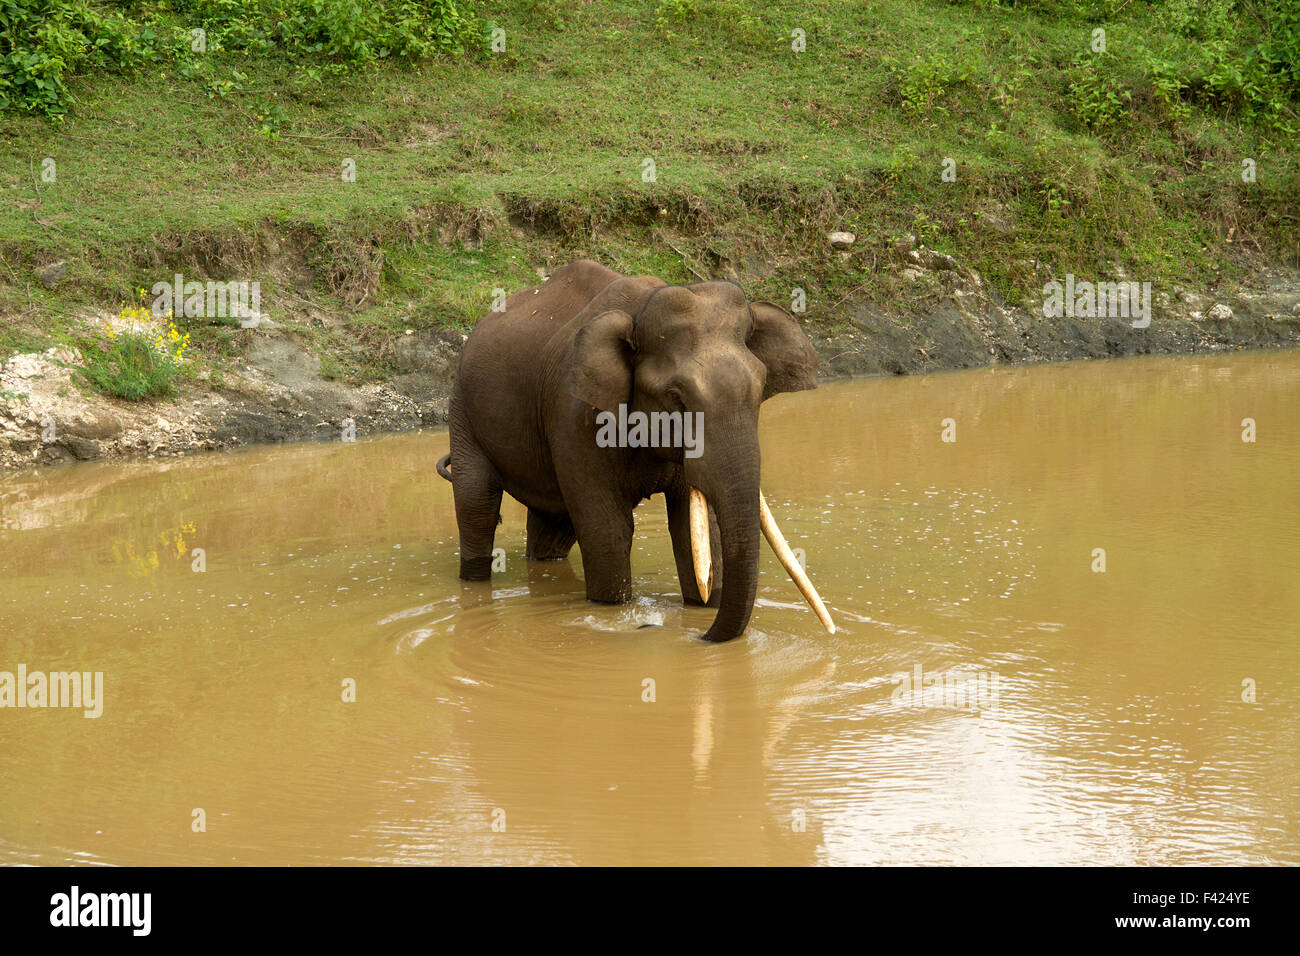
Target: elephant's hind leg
x=550, y=537
x=477, y=490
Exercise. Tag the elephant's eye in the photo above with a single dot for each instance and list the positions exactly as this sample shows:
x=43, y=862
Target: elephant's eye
x=674, y=396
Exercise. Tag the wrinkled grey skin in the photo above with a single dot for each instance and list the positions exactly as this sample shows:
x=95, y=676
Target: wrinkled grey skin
x=523, y=420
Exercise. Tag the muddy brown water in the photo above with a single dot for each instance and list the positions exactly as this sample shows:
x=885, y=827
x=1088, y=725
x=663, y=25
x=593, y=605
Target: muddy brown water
x=1149, y=713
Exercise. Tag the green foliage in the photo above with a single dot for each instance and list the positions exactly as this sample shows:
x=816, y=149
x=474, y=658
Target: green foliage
x=922, y=82
x=1098, y=96
x=676, y=11
x=43, y=42
x=1200, y=19
x=352, y=32
x=734, y=19
x=1236, y=58
x=131, y=362
x=1168, y=87
x=130, y=366
x=425, y=28
x=1250, y=87
x=269, y=118
x=1281, y=49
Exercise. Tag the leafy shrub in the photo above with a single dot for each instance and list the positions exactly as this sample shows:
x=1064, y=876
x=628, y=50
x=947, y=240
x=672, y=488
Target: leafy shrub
x=1251, y=87
x=39, y=45
x=733, y=18
x=1200, y=19
x=1168, y=87
x=1281, y=49
x=425, y=28
x=352, y=32
x=1097, y=96
x=922, y=83
x=42, y=42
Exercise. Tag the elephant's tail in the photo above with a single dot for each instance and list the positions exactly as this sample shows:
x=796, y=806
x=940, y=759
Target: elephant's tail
x=443, y=466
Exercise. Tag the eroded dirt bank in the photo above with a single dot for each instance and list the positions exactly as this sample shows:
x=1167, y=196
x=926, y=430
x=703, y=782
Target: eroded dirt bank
x=278, y=392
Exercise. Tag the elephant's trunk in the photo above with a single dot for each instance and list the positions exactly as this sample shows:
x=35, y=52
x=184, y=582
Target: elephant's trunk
x=729, y=481
x=740, y=508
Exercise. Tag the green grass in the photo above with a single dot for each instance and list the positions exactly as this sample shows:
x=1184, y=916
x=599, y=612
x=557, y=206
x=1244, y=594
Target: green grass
x=473, y=173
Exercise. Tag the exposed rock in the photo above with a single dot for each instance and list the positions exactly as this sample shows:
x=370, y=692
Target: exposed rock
x=1220, y=313
x=726, y=271
x=93, y=423
x=994, y=224
x=938, y=260
x=82, y=448
x=436, y=353
x=841, y=240
x=241, y=427
x=52, y=274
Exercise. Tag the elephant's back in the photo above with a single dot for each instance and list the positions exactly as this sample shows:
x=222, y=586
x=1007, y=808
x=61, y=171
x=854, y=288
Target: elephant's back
x=507, y=348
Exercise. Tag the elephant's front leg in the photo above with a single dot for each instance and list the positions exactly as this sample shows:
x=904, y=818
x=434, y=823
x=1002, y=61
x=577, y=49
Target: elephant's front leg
x=604, y=527
x=679, y=529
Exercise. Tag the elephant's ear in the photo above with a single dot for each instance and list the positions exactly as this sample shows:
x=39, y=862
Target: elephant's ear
x=602, y=372
x=790, y=358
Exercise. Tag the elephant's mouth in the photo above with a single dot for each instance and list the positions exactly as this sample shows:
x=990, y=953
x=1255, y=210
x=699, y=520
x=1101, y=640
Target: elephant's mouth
x=701, y=556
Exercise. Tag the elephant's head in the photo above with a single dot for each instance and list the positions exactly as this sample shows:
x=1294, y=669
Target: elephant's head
x=704, y=349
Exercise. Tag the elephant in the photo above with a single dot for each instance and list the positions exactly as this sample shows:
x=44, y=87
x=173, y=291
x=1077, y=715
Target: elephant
x=539, y=409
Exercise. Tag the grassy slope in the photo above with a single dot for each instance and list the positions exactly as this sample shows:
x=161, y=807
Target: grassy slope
x=537, y=154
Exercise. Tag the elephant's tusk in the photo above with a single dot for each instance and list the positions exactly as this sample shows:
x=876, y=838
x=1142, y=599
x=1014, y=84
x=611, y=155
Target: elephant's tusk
x=791, y=564
x=701, y=553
